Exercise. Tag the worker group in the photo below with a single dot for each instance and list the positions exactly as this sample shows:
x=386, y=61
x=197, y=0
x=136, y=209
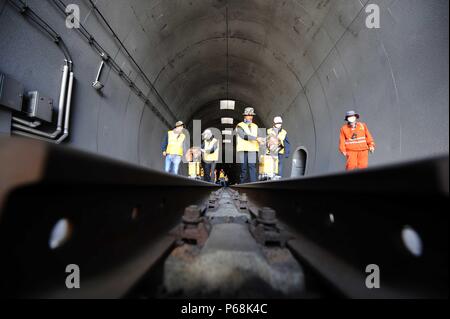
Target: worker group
x=355, y=144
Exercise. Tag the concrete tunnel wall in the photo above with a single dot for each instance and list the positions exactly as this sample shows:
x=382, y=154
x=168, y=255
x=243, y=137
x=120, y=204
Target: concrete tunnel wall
x=307, y=60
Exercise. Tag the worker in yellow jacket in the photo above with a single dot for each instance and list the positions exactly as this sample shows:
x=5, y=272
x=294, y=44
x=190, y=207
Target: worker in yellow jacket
x=173, y=148
x=210, y=150
x=223, y=178
x=247, y=147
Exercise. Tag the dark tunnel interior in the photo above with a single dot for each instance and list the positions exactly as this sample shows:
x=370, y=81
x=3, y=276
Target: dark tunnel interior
x=107, y=79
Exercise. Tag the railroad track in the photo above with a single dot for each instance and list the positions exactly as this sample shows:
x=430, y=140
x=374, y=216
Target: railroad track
x=140, y=233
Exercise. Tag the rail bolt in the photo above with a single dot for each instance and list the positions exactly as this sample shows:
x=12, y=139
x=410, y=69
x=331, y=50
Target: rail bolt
x=267, y=215
x=192, y=215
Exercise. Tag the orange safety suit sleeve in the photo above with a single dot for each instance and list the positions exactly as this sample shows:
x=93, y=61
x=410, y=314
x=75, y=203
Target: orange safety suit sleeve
x=342, y=147
x=369, y=137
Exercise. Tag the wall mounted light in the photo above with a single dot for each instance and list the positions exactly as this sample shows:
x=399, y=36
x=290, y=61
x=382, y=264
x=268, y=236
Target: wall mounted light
x=97, y=84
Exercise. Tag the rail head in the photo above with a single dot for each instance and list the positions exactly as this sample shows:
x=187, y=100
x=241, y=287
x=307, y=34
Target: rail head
x=429, y=175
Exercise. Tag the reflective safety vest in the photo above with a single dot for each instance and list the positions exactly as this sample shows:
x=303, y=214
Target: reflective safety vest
x=222, y=175
x=212, y=157
x=247, y=146
x=175, y=145
x=281, y=136
x=356, y=138
x=194, y=169
x=268, y=165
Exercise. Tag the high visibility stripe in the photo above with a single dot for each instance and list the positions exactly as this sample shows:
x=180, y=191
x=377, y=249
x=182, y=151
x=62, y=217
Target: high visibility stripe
x=356, y=140
x=359, y=138
x=359, y=142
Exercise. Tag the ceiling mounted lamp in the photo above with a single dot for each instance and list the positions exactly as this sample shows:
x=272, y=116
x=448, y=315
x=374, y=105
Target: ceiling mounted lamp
x=227, y=120
x=227, y=132
x=227, y=105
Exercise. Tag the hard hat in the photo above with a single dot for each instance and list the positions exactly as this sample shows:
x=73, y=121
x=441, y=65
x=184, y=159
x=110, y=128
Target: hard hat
x=278, y=120
x=207, y=134
x=249, y=111
x=179, y=123
x=351, y=113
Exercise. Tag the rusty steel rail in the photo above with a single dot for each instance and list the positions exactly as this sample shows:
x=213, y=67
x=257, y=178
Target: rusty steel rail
x=117, y=219
x=345, y=222
x=120, y=220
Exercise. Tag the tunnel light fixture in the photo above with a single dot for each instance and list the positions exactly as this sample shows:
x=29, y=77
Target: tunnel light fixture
x=60, y=234
x=227, y=132
x=97, y=84
x=412, y=241
x=227, y=105
x=227, y=120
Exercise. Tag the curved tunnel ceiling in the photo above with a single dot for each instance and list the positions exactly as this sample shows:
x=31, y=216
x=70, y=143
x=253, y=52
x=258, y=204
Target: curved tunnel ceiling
x=307, y=60
x=264, y=52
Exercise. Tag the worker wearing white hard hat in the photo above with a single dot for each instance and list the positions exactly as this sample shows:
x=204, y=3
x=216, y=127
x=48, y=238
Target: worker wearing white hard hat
x=284, y=148
x=247, y=146
x=210, y=150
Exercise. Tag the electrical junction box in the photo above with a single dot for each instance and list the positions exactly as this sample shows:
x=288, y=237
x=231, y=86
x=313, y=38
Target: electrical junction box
x=38, y=107
x=11, y=93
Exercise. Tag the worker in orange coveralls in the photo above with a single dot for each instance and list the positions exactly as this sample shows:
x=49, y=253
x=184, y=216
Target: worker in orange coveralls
x=356, y=142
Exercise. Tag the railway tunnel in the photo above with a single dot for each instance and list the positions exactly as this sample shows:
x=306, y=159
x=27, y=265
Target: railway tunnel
x=134, y=68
